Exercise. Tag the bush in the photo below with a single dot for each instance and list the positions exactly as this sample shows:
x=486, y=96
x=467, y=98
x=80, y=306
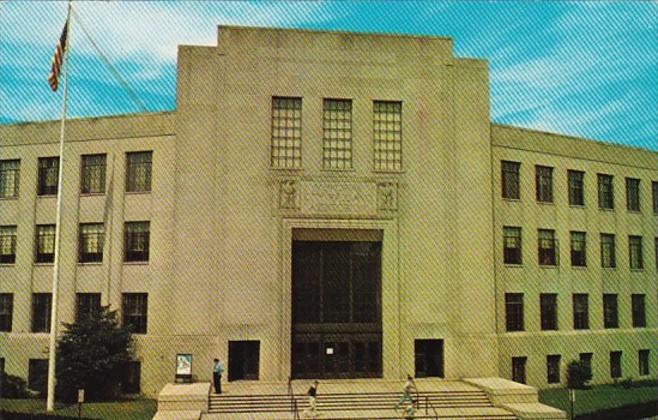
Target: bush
x=14, y=387
x=90, y=355
x=578, y=374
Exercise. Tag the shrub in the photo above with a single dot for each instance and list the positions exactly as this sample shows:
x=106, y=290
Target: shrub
x=14, y=387
x=578, y=374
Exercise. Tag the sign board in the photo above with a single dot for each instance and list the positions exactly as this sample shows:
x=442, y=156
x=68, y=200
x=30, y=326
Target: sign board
x=330, y=350
x=183, y=365
x=81, y=395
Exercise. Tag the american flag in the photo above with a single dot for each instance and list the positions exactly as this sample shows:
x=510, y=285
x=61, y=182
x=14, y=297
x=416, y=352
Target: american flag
x=58, y=58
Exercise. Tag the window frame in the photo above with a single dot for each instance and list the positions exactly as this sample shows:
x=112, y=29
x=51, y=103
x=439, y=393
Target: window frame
x=88, y=166
x=544, y=184
x=633, y=194
x=8, y=241
x=512, y=256
x=606, y=191
x=553, y=368
x=133, y=254
x=286, y=118
x=580, y=305
x=6, y=311
x=510, y=178
x=514, y=312
x=643, y=361
x=337, y=140
x=86, y=304
x=548, y=311
x=578, y=257
x=15, y=177
x=387, y=136
x=638, y=310
x=635, y=252
x=131, y=314
x=611, y=260
x=45, y=237
x=610, y=311
x=616, y=364
x=654, y=193
x=133, y=165
x=40, y=322
x=576, y=187
x=45, y=167
x=91, y=257
x=547, y=256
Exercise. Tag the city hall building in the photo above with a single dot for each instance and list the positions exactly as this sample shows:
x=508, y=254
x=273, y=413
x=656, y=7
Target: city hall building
x=333, y=206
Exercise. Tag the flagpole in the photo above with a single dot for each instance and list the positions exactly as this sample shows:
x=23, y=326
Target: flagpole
x=50, y=402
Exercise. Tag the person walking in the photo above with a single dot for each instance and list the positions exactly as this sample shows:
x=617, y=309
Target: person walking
x=217, y=370
x=406, y=395
x=311, y=411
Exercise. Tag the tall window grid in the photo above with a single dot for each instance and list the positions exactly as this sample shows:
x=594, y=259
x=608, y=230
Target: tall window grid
x=92, y=174
x=138, y=171
x=547, y=247
x=87, y=305
x=135, y=310
x=41, y=303
x=387, y=131
x=45, y=244
x=512, y=253
x=48, y=172
x=337, y=134
x=643, y=362
x=544, y=183
x=90, y=242
x=286, y=149
x=606, y=192
x=510, y=179
x=580, y=311
x=586, y=360
x=9, y=178
x=136, y=241
x=7, y=244
x=632, y=194
x=548, y=311
x=608, y=250
x=638, y=308
x=578, y=249
x=635, y=253
x=615, y=364
x=518, y=369
x=514, y=311
x=553, y=368
x=6, y=311
x=576, y=187
x=610, y=312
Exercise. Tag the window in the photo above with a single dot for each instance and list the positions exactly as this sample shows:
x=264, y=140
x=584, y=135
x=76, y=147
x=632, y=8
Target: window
x=136, y=241
x=586, y=360
x=134, y=309
x=635, y=252
x=45, y=244
x=578, y=249
x=606, y=192
x=92, y=174
x=632, y=194
x=639, y=318
x=518, y=369
x=337, y=134
x=580, y=312
x=553, y=368
x=575, y=180
x=387, y=134
x=510, y=179
x=37, y=375
x=643, y=362
x=41, y=312
x=608, y=250
x=48, y=172
x=6, y=311
x=7, y=244
x=286, y=152
x=615, y=364
x=9, y=178
x=90, y=242
x=138, y=171
x=610, y=318
x=656, y=250
x=130, y=377
x=654, y=188
x=546, y=247
x=544, y=183
x=88, y=304
x=428, y=358
x=514, y=311
x=512, y=245
x=548, y=307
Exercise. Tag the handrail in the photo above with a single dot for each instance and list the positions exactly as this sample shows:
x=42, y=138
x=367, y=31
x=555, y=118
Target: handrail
x=294, y=409
x=428, y=403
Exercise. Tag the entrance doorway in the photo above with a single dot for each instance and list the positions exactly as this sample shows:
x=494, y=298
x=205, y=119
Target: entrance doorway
x=336, y=309
x=428, y=356
x=243, y=357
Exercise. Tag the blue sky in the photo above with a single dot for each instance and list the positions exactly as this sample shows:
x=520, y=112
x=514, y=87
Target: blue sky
x=584, y=68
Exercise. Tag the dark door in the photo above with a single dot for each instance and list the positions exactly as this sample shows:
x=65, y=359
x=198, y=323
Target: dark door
x=428, y=358
x=243, y=357
x=336, y=309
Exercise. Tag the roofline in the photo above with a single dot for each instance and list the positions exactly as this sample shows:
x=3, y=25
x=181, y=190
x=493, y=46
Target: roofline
x=76, y=119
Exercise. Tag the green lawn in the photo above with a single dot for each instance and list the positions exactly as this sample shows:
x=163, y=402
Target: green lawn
x=600, y=397
x=123, y=410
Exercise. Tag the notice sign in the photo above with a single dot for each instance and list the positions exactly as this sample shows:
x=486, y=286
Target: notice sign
x=81, y=395
x=183, y=365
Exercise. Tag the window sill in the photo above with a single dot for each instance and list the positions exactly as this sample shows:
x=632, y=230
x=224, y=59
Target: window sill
x=610, y=210
x=637, y=270
x=135, y=263
x=512, y=265
x=548, y=266
x=577, y=206
x=338, y=170
x=546, y=203
x=511, y=200
x=93, y=194
x=14, y=198
x=609, y=268
x=579, y=267
x=44, y=264
x=389, y=172
x=90, y=263
x=137, y=192
x=46, y=195
x=291, y=170
x=636, y=212
x=7, y=264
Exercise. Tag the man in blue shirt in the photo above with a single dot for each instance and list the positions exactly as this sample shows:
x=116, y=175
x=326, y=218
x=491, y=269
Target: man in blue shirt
x=217, y=370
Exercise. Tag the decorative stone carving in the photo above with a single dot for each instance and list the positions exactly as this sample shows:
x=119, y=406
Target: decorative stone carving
x=387, y=196
x=288, y=194
x=339, y=198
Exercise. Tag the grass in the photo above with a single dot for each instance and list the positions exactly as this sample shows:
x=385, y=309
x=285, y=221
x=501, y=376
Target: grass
x=140, y=409
x=600, y=397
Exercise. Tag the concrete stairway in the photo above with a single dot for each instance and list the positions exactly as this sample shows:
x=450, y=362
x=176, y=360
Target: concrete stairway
x=444, y=404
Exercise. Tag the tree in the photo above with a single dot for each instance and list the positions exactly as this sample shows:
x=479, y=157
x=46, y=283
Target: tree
x=91, y=354
x=578, y=374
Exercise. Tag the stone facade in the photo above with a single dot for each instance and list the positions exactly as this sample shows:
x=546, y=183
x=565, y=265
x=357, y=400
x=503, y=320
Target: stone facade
x=223, y=215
